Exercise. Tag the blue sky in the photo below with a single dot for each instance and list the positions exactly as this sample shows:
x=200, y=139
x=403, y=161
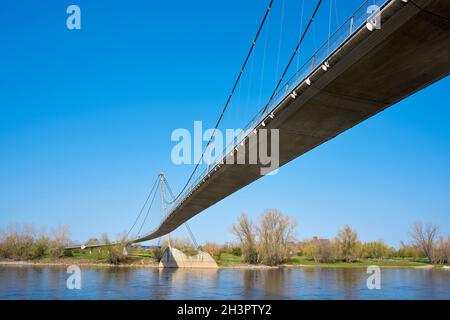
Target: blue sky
x=86, y=118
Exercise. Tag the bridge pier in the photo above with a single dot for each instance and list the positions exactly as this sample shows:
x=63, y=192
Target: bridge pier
x=174, y=258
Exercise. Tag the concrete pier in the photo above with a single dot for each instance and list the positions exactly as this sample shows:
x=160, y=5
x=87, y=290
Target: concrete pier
x=174, y=258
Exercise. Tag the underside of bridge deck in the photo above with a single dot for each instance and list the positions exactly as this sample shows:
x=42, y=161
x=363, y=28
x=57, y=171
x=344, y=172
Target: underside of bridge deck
x=370, y=72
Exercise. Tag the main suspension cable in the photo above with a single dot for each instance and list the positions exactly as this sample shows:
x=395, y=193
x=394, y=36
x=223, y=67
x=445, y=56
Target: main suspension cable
x=228, y=100
x=294, y=53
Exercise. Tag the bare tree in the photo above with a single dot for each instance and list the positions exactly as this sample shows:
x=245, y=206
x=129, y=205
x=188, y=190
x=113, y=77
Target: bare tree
x=424, y=237
x=184, y=244
x=60, y=239
x=275, y=232
x=244, y=230
x=441, y=252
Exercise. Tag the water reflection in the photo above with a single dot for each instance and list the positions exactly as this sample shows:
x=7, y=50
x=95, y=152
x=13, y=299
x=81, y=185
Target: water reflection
x=307, y=283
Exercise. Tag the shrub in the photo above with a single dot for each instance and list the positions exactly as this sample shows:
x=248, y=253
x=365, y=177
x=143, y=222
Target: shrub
x=114, y=253
x=212, y=248
x=376, y=250
x=323, y=250
x=41, y=246
x=236, y=251
x=409, y=251
x=157, y=253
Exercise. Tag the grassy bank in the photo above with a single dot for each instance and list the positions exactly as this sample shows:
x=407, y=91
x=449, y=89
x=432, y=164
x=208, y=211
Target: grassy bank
x=226, y=260
x=362, y=263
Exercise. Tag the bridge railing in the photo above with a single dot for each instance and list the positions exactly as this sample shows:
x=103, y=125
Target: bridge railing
x=352, y=25
x=357, y=20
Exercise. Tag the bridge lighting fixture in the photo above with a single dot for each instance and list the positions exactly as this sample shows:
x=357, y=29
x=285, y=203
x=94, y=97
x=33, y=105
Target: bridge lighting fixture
x=272, y=116
x=293, y=94
x=308, y=81
x=242, y=143
x=325, y=66
x=263, y=124
x=370, y=26
x=254, y=131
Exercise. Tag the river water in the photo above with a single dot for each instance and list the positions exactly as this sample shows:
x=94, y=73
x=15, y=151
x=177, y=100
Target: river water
x=143, y=283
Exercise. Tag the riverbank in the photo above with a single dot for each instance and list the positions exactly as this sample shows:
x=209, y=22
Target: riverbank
x=65, y=262
x=227, y=262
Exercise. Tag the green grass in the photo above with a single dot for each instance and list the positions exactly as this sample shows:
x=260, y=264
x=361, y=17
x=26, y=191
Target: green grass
x=394, y=262
x=228, y=259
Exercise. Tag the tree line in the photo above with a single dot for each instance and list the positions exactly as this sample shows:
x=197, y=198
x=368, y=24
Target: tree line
x=27, y=243
x=271, y=241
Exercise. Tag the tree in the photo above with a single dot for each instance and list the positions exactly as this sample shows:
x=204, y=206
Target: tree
x=322, y=250
x=114, y=253
x=347, y=240
x=22, y=242
x=244, y=230
x=275, y=231
x=376, y=250
x=59, y=240
x=441, y=252
x=409, y=251
x=424, y=237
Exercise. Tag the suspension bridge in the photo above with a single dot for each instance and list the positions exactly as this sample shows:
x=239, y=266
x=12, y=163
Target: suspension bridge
x=372, y=61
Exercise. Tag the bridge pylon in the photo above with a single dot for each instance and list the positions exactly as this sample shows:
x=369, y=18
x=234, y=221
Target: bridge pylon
x=173, y=257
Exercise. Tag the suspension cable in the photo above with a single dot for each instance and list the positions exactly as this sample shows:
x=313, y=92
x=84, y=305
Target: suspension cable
x=261, y=81
x=280, y=39
x=294, y=54
x=301, y=28
x=191, y=235
x=148, y=211
x=228, y=100
x=142, y=209
x=329, y=26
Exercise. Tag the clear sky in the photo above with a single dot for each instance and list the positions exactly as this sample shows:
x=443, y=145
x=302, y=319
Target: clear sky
x=86, y=118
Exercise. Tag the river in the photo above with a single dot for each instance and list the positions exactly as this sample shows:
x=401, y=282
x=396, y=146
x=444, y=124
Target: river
x=28, y=282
